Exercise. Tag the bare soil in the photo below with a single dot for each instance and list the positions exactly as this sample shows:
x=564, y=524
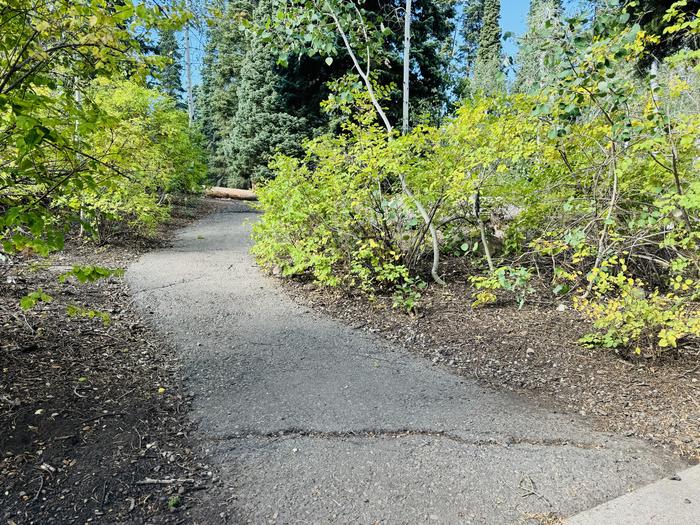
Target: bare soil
x=93, y=416
x=533, y=351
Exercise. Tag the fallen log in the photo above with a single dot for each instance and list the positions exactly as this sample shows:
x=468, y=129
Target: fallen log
x=231, y=193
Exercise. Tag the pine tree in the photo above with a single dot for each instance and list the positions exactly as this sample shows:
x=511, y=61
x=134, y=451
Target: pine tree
x=170, y=76
x=216, y=100
x=263, y=124
x=488, y=68
x=472, y=15
x=544, y=25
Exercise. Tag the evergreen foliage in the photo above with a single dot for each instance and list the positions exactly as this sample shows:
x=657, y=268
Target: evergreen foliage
x=470, y=23
x=171, y=75
x=262, y=124
x=544, y=24
x=217, y=100
x=489, y=77
x=240, y=78
x=432, y=26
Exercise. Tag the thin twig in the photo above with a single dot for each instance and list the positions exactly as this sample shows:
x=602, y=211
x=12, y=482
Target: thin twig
x=150, y=481
x=41, y=487
x=113, y=414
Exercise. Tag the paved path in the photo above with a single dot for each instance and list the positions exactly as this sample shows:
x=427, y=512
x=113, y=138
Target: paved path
x=313, y=422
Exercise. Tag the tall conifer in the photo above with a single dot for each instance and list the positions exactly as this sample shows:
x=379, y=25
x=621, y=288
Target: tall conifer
x=543, y=21
x=262, y=125
x=171, y=75
x=217, y=100
x=470, y=21
x=488, y=69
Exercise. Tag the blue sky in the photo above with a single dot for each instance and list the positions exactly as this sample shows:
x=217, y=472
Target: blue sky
x=513, y=19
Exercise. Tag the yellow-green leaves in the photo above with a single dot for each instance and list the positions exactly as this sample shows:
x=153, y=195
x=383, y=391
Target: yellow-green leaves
x=29, y=301
x=91, y=274
x=50, y=53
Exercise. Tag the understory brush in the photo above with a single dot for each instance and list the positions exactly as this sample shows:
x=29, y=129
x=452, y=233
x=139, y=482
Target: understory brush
x=628, y=315
x=85, y=141
x=590, y=186
x=146, y=153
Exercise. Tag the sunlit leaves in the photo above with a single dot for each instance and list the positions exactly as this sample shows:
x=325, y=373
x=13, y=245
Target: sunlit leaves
x=85, y=274
x=50, y=52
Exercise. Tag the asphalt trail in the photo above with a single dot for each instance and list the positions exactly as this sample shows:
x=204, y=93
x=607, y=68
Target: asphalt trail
x=310, y=421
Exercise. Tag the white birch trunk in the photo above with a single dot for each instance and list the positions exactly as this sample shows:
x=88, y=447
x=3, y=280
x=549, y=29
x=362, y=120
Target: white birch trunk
x=188, y=69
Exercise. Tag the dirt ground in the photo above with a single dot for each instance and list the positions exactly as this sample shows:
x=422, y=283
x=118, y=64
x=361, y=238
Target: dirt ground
x=533, y=351
x=93, y=415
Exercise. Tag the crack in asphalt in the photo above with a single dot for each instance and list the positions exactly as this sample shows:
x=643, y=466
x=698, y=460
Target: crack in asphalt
x=295, y=433
x=169, y=285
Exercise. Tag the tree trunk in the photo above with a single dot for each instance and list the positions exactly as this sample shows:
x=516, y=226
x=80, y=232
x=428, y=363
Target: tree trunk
x=406, y=65
x=188, y=69
x=404, y=130
x=482, y=231
x=231, y=193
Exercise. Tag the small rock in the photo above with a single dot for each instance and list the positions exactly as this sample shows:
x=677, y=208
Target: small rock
x=562, y=308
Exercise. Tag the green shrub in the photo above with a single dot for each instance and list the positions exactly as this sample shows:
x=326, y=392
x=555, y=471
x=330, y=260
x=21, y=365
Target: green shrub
x=598, y=164
x=146, y=141
x=332, y=214
x=626, y=315
x=515, y=281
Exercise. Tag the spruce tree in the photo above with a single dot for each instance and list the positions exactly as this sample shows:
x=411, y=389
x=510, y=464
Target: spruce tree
x=544, y=26
x=217, y=100
x=488, y=68
x=263, y=124
x=470, y=22
x=171, y=74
